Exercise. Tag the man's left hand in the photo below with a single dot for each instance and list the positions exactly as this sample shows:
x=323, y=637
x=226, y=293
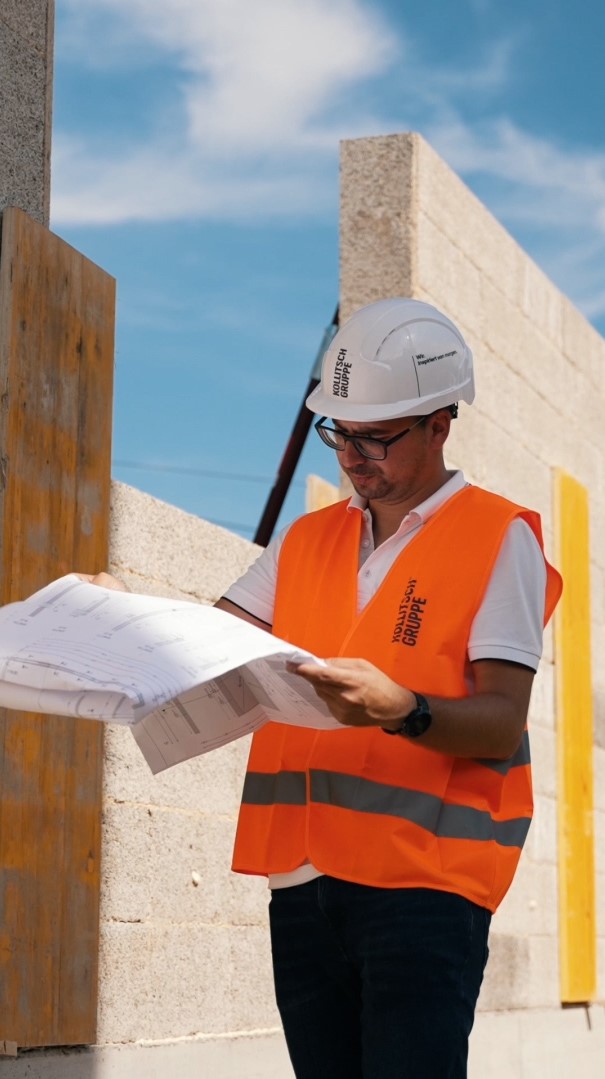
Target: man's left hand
x=357, y=693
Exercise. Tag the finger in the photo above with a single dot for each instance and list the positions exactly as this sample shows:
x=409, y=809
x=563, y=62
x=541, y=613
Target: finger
x=104, y=580
x=350, y=663
x=326, y=677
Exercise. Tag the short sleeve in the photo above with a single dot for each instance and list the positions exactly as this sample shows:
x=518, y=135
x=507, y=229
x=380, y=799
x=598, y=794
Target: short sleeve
x=509, y=623
x=254, y=591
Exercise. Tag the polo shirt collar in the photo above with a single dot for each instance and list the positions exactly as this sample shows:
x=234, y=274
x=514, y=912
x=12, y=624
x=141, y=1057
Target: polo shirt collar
x=424, y=510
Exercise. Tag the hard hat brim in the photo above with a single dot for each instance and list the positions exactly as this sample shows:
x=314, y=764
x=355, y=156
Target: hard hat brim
x=339, y=409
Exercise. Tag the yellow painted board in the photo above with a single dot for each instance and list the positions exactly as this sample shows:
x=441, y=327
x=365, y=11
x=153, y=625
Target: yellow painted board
x=577, y=912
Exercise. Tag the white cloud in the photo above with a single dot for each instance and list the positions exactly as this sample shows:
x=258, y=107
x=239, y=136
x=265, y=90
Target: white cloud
x=152, y=183
x=257, y=83
x=539, y=189
x=267, y=88
x=438, y=83
x=255, y=77
x=503, y=150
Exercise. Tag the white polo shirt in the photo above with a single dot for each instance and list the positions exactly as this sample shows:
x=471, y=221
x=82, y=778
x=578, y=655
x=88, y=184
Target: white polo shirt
x=507, y=626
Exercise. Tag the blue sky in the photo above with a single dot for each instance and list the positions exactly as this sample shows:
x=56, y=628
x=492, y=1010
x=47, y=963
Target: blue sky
x=195, y=158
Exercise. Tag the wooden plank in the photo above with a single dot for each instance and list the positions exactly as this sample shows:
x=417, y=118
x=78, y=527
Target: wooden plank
x=56, y=374
x=577, y=909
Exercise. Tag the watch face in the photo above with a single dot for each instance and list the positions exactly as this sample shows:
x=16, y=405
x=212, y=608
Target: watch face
x=417, y=722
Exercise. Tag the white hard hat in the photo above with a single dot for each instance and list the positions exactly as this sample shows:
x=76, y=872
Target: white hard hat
x=394, y=358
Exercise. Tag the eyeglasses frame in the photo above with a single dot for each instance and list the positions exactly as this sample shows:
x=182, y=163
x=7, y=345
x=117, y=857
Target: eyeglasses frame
x=384, y=443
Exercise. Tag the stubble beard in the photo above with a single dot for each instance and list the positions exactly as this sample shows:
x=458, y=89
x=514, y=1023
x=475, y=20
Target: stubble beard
x=370, y=485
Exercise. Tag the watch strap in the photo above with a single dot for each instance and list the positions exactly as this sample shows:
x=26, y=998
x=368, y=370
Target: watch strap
x=416, y=722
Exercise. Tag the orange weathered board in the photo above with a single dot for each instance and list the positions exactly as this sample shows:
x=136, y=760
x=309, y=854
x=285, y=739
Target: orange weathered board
x=56, y=375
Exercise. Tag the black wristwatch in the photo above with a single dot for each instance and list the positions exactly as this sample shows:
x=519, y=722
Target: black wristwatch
x=416, y=722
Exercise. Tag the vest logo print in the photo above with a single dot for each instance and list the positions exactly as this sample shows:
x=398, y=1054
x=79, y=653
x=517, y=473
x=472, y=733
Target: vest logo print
x=409, y=616
x=342, y=375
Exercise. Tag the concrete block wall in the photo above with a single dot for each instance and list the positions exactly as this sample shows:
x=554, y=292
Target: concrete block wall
x=184, y=948
x=26, y=65
x=410, y=227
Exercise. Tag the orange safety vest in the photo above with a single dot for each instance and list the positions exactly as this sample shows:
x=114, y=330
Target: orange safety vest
x=355, y=803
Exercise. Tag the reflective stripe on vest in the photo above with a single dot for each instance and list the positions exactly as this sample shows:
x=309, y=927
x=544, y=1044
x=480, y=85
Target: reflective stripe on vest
x=281, y=788
x=366, y=796
x=290, y=788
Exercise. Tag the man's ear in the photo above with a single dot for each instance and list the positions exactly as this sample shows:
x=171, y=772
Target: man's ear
x=438, y=423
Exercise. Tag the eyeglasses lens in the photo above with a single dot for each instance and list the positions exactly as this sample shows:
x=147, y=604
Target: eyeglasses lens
x=368, y=447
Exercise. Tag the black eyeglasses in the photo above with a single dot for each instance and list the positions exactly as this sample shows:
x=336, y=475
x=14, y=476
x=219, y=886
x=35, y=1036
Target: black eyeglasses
x=374, y=448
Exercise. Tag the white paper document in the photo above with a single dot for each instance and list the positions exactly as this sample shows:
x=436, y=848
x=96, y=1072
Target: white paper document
x=186, y=678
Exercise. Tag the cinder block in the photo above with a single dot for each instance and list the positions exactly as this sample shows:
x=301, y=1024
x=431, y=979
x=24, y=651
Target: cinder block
x=597, y=523
x=541, y=843
x=583, y=346
x=211, y=783
x=530, y=419
x=531, y=904
x=163, y=981
x=555, y=1043
x=444, y=266
x=544, y=761
x=506, y=976
x=457, y=212
x=127, y=865
x=506, y=328
x=495, y=384
x=491, y=457
x=548, y=639
x=542, y=302
x=29, y=20
x=599, y=830
x=597, y=582
x=522, y=972
x=541, y=714
x=543, y=987
x=499, y=1029
x=174, y=553
x=182, y=870
x=599, y=781
x=251, y=994
x=174, y=981
x=601, y=956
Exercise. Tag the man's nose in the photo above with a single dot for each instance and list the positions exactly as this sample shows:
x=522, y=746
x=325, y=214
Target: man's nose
x=350, y=455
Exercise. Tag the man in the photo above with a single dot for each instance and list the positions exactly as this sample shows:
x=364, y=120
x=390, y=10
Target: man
x=389, y=844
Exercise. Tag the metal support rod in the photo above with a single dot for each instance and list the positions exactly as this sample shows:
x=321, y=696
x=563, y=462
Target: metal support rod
x=294, y=447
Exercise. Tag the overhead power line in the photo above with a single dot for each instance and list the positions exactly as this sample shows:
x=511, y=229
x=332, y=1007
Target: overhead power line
x=190, y=471
x=233, y=526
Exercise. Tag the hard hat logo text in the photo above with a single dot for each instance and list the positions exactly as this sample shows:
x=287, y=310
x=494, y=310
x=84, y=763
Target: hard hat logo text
x=409, y=616
x=421, y=359
x=340, y=382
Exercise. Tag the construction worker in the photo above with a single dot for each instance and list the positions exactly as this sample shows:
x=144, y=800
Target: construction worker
x=388, y=845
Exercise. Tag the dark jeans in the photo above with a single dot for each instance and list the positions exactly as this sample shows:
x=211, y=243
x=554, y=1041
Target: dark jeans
x=376, y=983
